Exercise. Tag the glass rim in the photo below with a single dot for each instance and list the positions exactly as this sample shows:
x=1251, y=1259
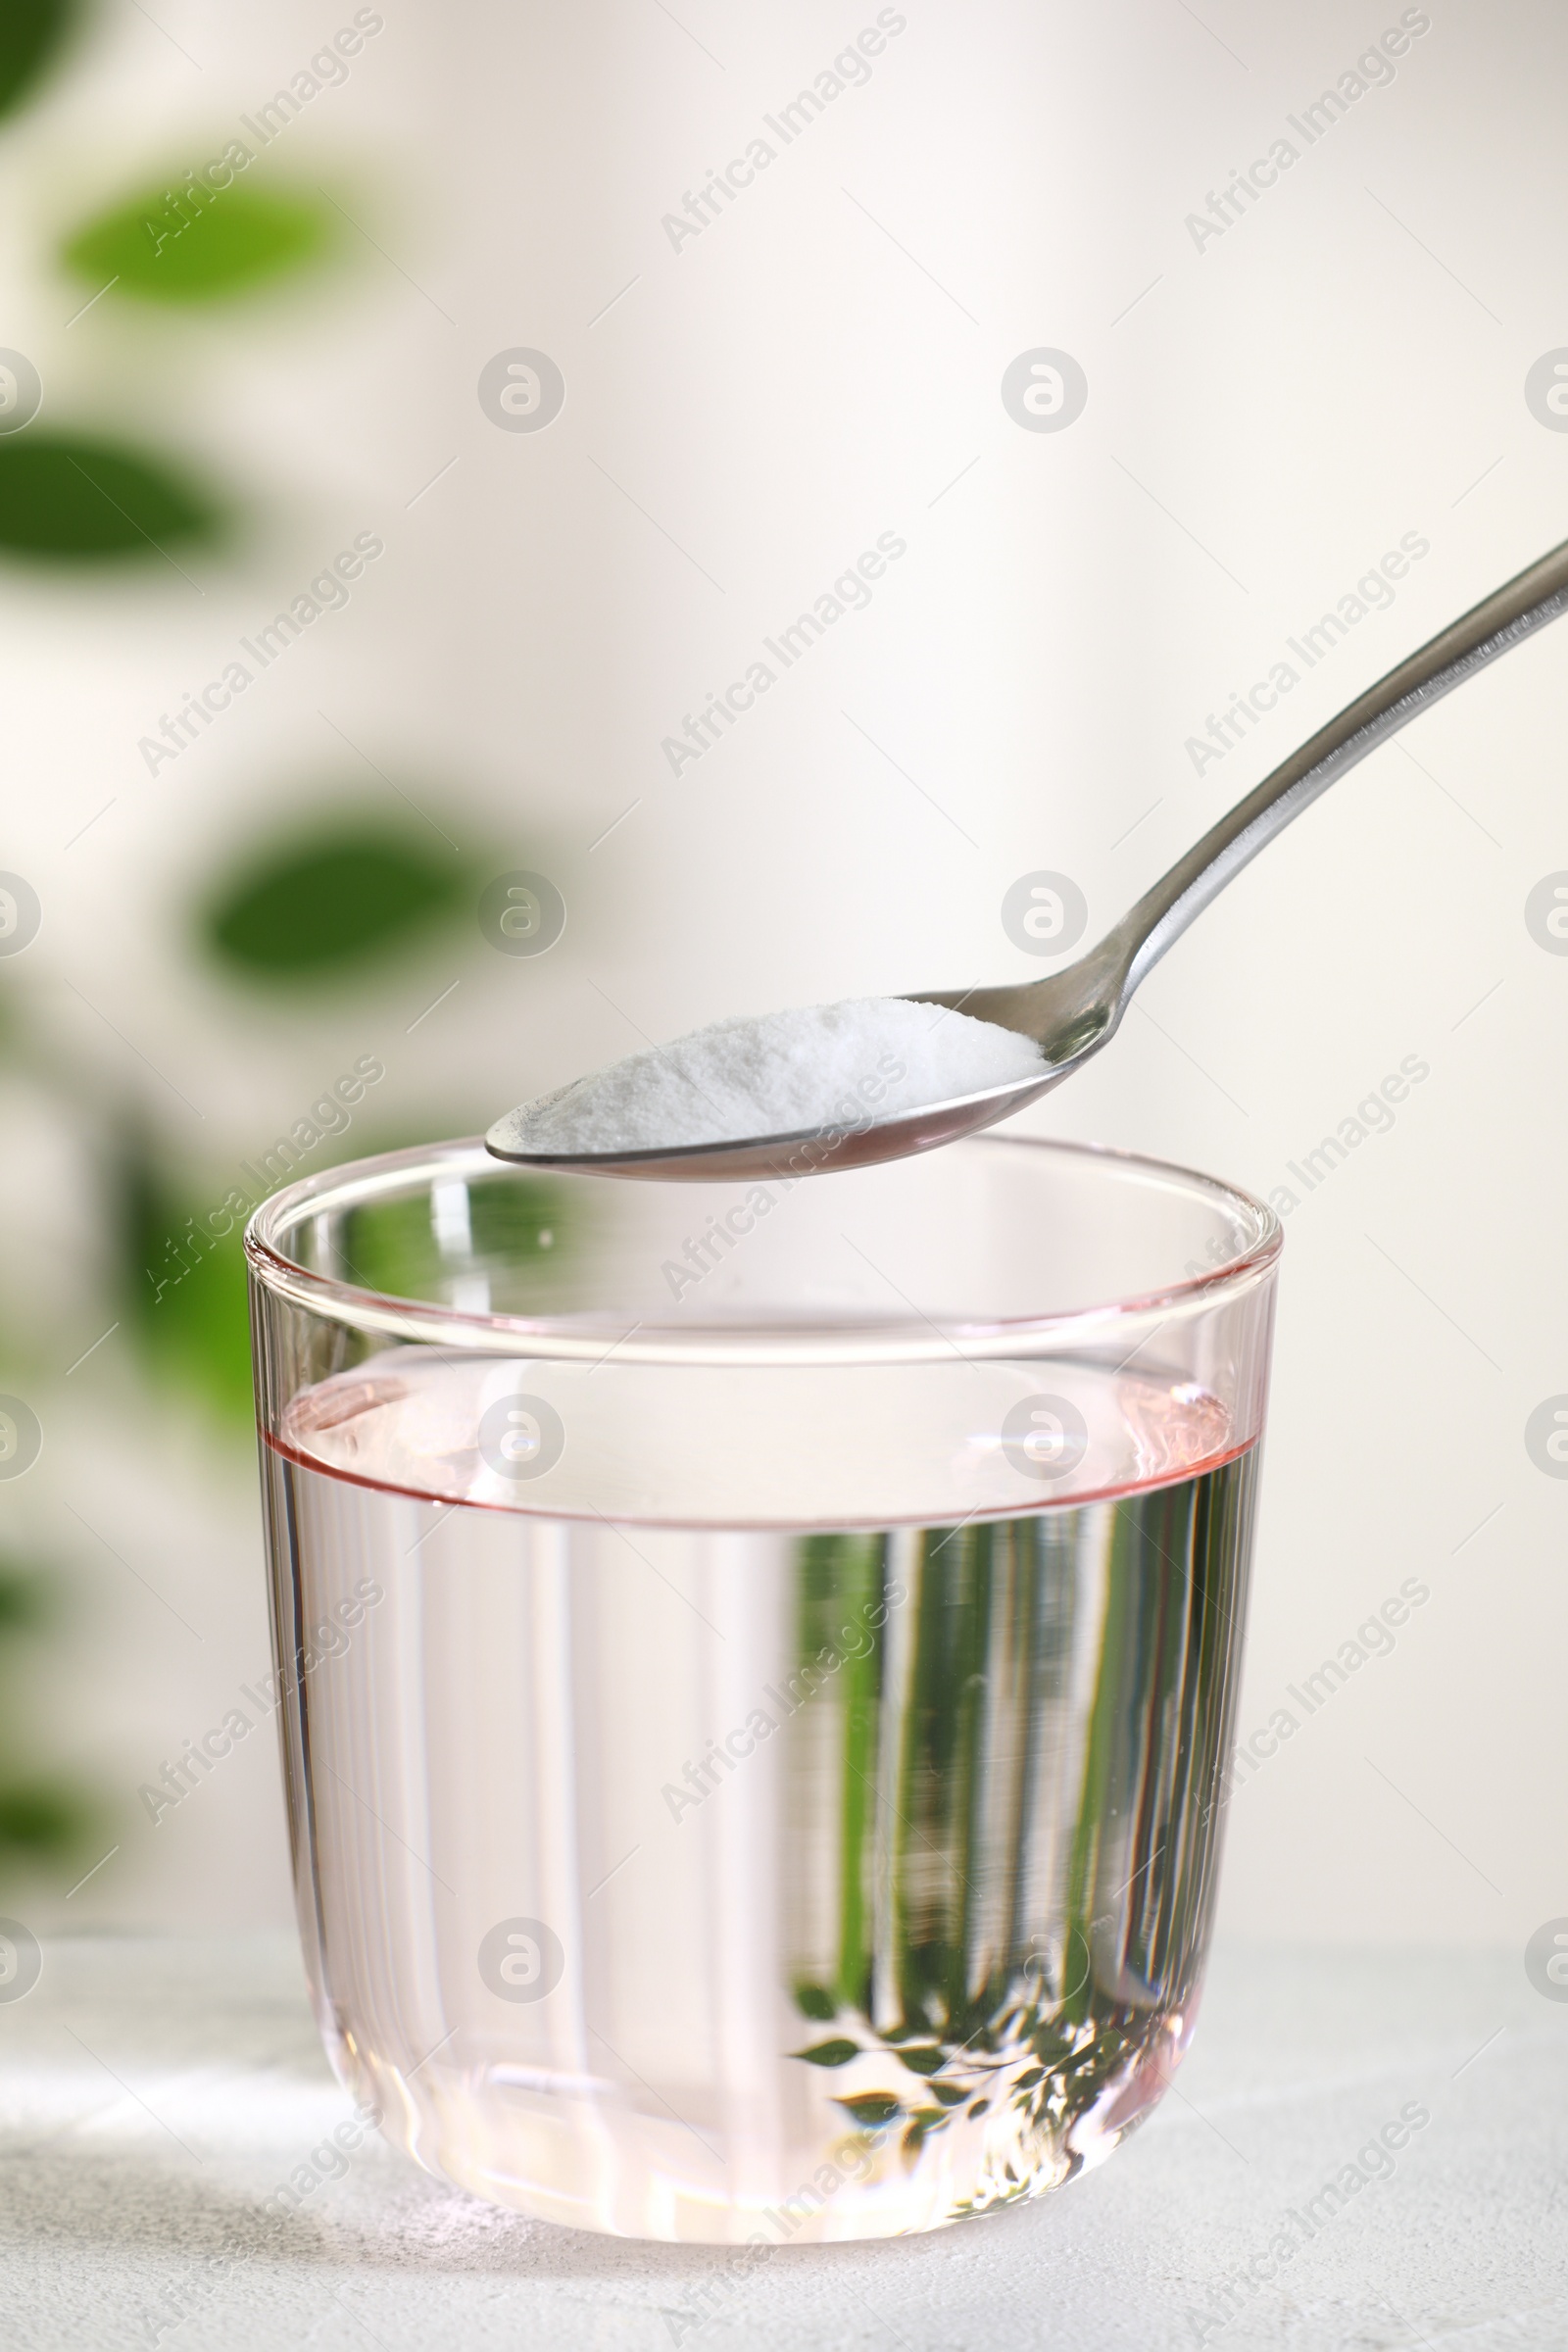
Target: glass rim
x=589, y=1336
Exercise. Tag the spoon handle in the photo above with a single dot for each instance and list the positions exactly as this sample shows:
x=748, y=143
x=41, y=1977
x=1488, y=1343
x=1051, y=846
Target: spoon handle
x=1500, y=620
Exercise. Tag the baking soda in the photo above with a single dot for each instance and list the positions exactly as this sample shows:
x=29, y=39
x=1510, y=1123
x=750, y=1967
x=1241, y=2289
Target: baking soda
x=784, y=1073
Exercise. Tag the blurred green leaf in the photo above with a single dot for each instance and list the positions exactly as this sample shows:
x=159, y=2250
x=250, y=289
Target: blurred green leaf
x=829, y=2054
x=200, y=1331
x=43, y=1817
x=520, y=1231
x=66, y=495
x=30, y=30
x=924, y=2059
x=814, y=2001
x=185, y=1294
x=515, y=1221
x=330, y=900
x=168, y=245
x=391, y=1249
x=21, y=1599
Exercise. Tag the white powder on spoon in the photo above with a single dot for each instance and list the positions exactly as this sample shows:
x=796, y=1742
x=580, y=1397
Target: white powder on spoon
x=825, y=1066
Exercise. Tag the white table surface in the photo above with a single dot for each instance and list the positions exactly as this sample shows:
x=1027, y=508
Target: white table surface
x=154, y=2094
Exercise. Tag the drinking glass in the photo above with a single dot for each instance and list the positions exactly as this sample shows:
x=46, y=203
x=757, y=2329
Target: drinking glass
x=758, y=1664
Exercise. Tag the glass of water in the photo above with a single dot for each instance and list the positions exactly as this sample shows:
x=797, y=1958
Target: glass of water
x=757, y=1666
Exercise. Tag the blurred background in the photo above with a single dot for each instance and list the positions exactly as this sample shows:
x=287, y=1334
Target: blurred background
x=409, y=423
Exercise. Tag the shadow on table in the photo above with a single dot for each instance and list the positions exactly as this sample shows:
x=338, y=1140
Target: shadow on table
x=386, y=2217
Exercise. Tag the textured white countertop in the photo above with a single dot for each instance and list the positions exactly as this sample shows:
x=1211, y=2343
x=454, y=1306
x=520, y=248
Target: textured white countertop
x=153, y=2096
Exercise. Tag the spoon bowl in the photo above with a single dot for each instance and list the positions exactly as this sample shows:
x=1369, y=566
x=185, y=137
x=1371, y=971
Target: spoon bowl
x=1071, y=1015
x=809, y=1151
x=1053, y=1012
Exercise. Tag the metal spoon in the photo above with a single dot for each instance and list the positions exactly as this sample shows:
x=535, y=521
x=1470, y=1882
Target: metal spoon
x=1076, y=1011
